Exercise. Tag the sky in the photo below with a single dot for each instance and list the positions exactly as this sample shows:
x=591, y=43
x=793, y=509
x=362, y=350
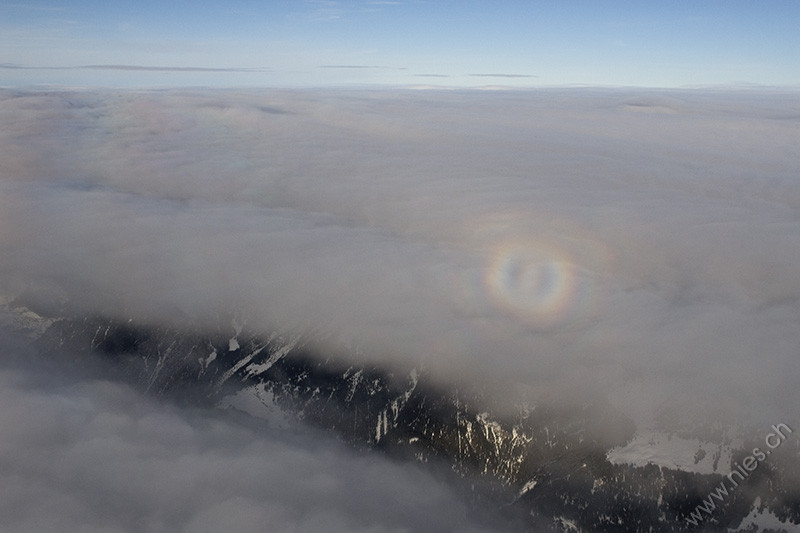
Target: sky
x=443, y=43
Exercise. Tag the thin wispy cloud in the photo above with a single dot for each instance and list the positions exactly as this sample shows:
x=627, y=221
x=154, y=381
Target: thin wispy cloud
x=324, y=10
x=142, y=68
x=503, y=75
x=170, y=68
x=365, y=67
x=36, y=7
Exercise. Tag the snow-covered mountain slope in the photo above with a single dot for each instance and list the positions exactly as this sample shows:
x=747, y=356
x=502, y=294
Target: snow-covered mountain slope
x=555, y=465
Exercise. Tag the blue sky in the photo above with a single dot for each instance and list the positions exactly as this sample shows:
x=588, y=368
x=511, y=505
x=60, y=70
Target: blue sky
x=403, y=42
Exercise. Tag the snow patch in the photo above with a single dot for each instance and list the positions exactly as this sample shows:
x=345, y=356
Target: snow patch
x=208, y=360
x=382, y=428
x=22, y=318
x=670, y=451
x=233, y=342
x=259, y=368
x=763, y=520
x=566, y=524
x=257, y=401
x=527, y=487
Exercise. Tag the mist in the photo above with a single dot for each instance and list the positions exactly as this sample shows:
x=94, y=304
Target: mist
x=83, y=453
x=635, y=246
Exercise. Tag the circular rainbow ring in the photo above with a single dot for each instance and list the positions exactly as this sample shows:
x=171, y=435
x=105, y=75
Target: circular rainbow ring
x=532, y=282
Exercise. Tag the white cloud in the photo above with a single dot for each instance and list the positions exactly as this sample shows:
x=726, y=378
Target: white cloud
x=85, y=454
x=641, y=245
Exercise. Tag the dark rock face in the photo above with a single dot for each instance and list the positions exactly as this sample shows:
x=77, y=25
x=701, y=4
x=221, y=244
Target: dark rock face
x=546, y=464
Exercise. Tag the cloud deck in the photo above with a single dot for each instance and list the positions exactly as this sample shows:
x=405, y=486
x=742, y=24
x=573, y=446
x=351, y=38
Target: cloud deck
x=641, y=245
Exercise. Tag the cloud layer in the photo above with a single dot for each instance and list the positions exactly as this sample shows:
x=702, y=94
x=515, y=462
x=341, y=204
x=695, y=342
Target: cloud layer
x=86, y=454
x=637, y=245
